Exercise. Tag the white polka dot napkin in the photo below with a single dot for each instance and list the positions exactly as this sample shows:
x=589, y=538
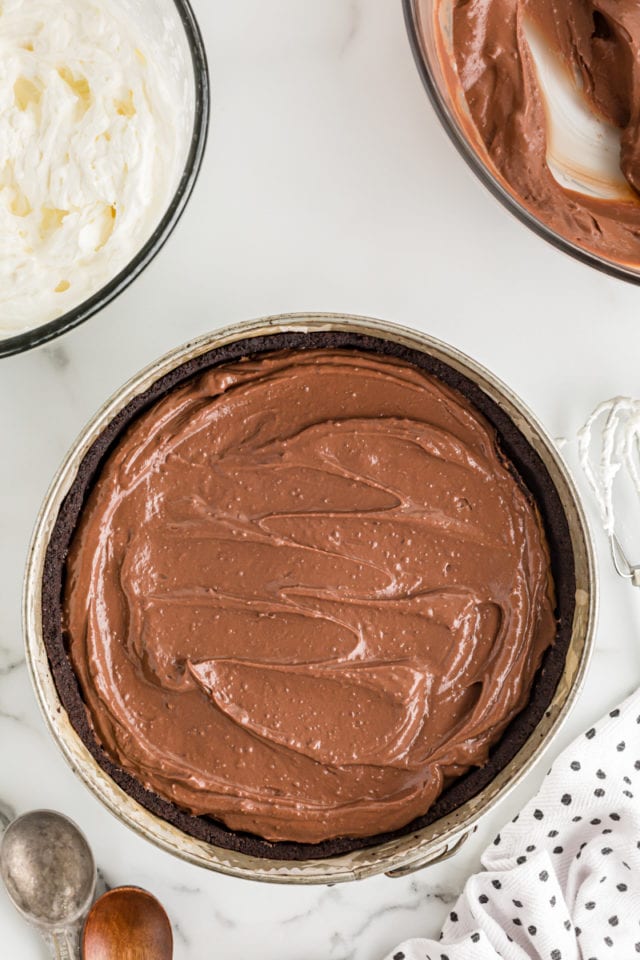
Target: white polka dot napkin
x=562, y=881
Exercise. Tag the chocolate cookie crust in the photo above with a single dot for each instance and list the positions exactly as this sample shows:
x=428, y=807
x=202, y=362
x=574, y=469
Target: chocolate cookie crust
x=529, y=468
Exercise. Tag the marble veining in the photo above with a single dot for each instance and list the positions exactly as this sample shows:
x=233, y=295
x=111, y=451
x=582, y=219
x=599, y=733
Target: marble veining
x=7, y=813
x=355, y=14
x=9, y=661
x=56, y=355
x=328, y=184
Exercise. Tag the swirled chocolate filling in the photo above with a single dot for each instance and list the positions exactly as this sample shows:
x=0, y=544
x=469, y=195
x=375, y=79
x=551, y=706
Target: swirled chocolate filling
x=305, y=592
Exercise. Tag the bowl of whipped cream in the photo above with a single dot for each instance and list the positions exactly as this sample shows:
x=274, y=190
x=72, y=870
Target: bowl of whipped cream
x=541, y=99
x=104, y=110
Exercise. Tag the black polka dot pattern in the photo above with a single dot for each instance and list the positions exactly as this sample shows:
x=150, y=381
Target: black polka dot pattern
x=562, y=879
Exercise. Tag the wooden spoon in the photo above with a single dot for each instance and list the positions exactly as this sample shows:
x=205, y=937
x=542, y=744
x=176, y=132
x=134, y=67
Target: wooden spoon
x=127, y=923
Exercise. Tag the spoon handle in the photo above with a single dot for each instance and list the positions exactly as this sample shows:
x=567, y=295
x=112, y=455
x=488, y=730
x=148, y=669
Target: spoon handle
x=63, y=944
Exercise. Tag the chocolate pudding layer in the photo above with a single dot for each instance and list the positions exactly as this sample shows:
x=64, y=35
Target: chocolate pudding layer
x=305, y=592
x=598, y=42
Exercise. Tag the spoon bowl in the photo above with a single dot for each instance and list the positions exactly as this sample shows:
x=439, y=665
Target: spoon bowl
x=50, y=874
x=48, y=868
x=127, y=923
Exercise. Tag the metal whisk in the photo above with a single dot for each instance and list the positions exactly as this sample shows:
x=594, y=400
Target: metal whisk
x=614, y=427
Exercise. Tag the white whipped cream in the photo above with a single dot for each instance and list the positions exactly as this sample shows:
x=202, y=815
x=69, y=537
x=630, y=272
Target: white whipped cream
x=93, y=135
x=614, y=428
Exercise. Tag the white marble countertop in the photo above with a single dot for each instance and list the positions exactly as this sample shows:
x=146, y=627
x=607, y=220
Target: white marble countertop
x=328, y=185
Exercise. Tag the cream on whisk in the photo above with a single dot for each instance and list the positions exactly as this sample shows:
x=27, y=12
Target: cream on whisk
x=614, y=427
x=90, y=150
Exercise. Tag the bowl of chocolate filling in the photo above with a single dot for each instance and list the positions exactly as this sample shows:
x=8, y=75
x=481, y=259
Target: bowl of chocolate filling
x=307, y=597
x=542, y=99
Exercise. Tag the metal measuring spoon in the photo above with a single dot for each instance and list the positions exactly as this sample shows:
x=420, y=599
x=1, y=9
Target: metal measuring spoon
x=50, y=875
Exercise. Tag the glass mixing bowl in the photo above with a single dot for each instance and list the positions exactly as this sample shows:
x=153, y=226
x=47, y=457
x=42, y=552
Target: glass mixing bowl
x=173, y=24
x=429, y=27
